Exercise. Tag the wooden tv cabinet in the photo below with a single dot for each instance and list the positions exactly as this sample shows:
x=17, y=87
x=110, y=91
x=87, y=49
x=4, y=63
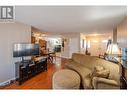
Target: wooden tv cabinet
x=27, y=69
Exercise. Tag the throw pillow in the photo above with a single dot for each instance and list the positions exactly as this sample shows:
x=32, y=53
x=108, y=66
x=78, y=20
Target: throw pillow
x=103, y=74
x=98, y=68
x=99, y=71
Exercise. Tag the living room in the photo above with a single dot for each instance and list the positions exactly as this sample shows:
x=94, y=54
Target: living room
x=61, y=33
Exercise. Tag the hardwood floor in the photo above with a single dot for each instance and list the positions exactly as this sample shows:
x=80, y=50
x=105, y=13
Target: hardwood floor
x=43, y=80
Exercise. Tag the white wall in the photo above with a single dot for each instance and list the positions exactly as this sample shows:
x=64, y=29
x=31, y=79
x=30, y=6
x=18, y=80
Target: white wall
x=72, y=44
x=11, y=33
x=82, y=45
x=97, y=42
x=122, y=34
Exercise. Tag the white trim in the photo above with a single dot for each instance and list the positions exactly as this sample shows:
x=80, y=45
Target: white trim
x=7, y=82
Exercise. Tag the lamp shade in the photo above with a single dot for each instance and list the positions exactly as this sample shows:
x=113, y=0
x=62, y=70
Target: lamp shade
x=113, y=49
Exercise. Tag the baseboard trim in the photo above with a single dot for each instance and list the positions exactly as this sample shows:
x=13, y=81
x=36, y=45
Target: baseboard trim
x=5, y=83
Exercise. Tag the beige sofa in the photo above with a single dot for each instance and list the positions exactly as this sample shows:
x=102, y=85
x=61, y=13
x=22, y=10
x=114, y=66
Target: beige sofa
x=84, y=64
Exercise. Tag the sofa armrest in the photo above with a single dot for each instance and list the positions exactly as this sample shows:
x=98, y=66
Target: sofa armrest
x=103, y=83
x=68, y=62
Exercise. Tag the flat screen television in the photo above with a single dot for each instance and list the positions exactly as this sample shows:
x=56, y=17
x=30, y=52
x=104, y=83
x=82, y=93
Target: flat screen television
x=25, y=49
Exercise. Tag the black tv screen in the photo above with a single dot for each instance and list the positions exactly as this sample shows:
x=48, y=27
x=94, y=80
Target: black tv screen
x=24, y=49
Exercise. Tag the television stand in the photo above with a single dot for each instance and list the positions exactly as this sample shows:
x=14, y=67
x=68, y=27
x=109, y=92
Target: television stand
x=27, y=69
x=22, y=58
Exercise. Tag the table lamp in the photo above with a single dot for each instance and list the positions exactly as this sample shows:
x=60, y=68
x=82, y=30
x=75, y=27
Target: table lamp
x=113, y=50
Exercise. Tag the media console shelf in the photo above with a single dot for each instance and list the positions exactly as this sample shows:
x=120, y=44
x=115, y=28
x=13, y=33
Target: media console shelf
x=27, y=69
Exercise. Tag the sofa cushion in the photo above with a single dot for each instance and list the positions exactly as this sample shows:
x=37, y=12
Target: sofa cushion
x=87, y=82
x=76, y=58
x=83, y=72
x=104, y=83
x=85, y=77
x=89, y=61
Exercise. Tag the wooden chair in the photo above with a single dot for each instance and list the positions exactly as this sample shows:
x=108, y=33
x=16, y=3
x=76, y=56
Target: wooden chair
x=51, y=57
